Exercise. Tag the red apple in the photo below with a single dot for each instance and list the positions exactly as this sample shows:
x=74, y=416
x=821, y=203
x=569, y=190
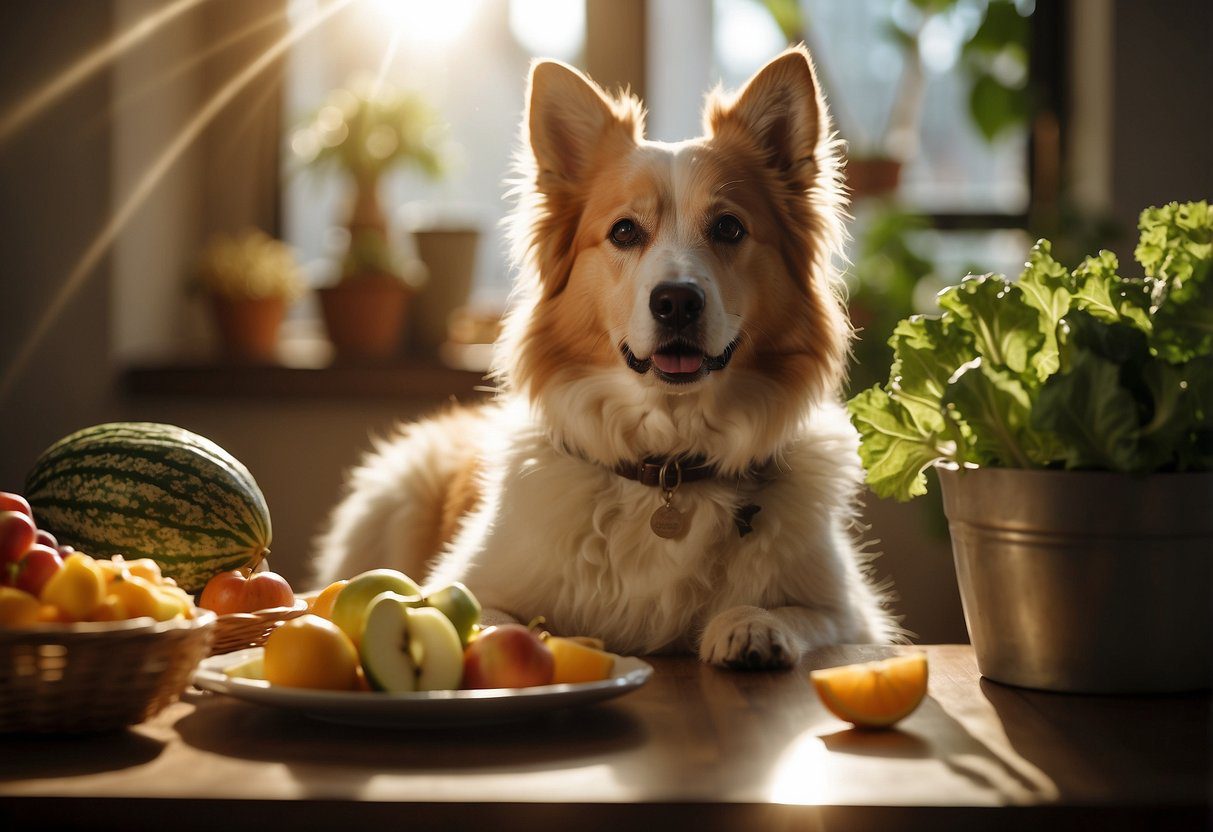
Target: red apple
x=17, y=534
x=36, y=568
x=46, y=539
x=507, y=656
x=235, y=591
x=15, y=502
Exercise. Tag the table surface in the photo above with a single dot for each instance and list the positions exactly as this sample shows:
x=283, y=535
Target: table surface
x=696, y=745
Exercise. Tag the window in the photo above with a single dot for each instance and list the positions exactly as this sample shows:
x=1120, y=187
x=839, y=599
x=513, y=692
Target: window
x=467, y=58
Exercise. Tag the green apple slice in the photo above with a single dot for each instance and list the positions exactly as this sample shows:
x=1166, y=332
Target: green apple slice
x=459, y=605
x=352, y=603
x=435, y=648
x=385, y=654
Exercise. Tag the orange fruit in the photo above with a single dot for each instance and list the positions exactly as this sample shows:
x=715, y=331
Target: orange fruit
x=577, y=662
x=311, y=652
x=873, y=694
x=322, y=605
x=18, y=608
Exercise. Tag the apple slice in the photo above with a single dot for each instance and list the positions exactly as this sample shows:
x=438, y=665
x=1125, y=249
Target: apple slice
x=435, y=648
x=458, y=604
x=405, y=649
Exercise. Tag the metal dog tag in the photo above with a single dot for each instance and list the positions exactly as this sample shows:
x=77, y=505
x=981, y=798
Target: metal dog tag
x=667, y=522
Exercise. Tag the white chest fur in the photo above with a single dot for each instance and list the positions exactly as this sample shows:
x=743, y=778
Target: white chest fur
x=570, y=540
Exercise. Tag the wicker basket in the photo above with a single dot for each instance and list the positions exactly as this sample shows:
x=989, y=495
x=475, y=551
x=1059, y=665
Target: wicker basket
x=238, y=630
x=78, y=678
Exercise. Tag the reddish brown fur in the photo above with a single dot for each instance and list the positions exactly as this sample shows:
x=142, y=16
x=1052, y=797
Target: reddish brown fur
x=796, y=334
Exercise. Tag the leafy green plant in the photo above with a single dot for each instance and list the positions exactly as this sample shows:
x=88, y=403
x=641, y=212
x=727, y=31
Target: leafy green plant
x=368, y=129
x=1082, y=369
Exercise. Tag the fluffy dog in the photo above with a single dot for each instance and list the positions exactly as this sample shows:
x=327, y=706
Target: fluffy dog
x=666, y=466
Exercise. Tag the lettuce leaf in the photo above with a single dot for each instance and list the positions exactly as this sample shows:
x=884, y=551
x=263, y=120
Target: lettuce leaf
x=1176, y=252
x=1082, y=369
x=1004, y=328
x=1047, y=287
x=894, y=450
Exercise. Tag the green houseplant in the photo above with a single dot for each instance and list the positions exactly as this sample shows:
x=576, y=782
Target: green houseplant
x=250, y=279
x=1070, y=417
x=367, y=131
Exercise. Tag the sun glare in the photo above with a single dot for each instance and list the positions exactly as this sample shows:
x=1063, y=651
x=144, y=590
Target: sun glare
x=550, y=28
x=425, y=22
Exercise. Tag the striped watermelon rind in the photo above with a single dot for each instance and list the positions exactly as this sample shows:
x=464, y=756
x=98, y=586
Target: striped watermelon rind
x=142, y=489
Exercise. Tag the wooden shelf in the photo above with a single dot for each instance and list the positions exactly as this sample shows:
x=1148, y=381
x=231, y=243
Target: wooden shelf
x=402, y=379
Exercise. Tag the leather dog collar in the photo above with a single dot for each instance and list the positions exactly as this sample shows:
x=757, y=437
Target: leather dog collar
x=676, y=471
x=679, y=470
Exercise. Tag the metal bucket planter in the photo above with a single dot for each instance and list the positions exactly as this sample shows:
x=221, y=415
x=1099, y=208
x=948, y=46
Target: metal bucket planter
x=1085, y=582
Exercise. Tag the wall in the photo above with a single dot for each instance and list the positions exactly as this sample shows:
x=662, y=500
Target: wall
x=54, y=201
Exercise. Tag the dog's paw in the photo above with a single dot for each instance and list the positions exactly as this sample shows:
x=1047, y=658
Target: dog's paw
x=748, y=638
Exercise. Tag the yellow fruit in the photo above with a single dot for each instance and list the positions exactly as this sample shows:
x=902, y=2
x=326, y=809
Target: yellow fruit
x=77, y=588
x=145, y=568
x=136, y=595
x=323, y=603
x=578, y=662
x=49, y=613
x=110, y=609
x=179, y=597
x=17, y=608
x=874, y=694
x=311, y=652
x=112, y=568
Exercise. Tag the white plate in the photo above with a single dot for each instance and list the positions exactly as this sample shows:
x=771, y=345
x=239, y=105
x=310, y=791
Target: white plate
x=419, y=709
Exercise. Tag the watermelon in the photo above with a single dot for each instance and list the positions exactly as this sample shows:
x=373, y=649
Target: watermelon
x=141, y=489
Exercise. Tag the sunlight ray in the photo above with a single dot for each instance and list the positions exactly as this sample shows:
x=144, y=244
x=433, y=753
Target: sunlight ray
x=192, y=61
x=147, y=183
x=389, y=55
x=60, y=85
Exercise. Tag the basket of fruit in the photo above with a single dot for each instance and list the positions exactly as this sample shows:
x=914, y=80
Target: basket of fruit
x=250, y=606
x=87, y=644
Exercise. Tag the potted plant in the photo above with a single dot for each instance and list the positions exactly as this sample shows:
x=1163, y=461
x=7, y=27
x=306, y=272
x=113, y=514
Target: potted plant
x=367, y=131
x=1070, y=418
x=250, y=279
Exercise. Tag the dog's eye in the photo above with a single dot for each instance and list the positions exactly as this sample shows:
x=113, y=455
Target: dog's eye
x=625, y=233
x=728, y=229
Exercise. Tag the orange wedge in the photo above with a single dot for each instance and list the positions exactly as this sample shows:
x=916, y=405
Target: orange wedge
x=323, y=603
x=873, y=694
x=576, y=661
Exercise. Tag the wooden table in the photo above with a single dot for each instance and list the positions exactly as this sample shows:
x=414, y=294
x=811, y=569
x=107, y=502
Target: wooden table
x=695, y=748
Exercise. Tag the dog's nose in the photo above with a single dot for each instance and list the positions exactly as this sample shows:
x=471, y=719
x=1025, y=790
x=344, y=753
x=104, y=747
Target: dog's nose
x=676, y=305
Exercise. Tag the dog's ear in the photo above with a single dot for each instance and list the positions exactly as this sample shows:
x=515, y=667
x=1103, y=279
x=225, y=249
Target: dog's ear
x=569, y=119
x=781, y=111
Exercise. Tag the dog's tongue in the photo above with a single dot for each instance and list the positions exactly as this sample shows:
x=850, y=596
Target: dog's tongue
x=678, y=362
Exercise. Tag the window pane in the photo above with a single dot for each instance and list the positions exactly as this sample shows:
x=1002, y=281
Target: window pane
x=469, y=60
x=949, y=166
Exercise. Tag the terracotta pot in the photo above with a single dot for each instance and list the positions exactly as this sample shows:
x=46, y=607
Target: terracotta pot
x=449, y=255
x=248, y=327
x=365, y=316
x=874, y=176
